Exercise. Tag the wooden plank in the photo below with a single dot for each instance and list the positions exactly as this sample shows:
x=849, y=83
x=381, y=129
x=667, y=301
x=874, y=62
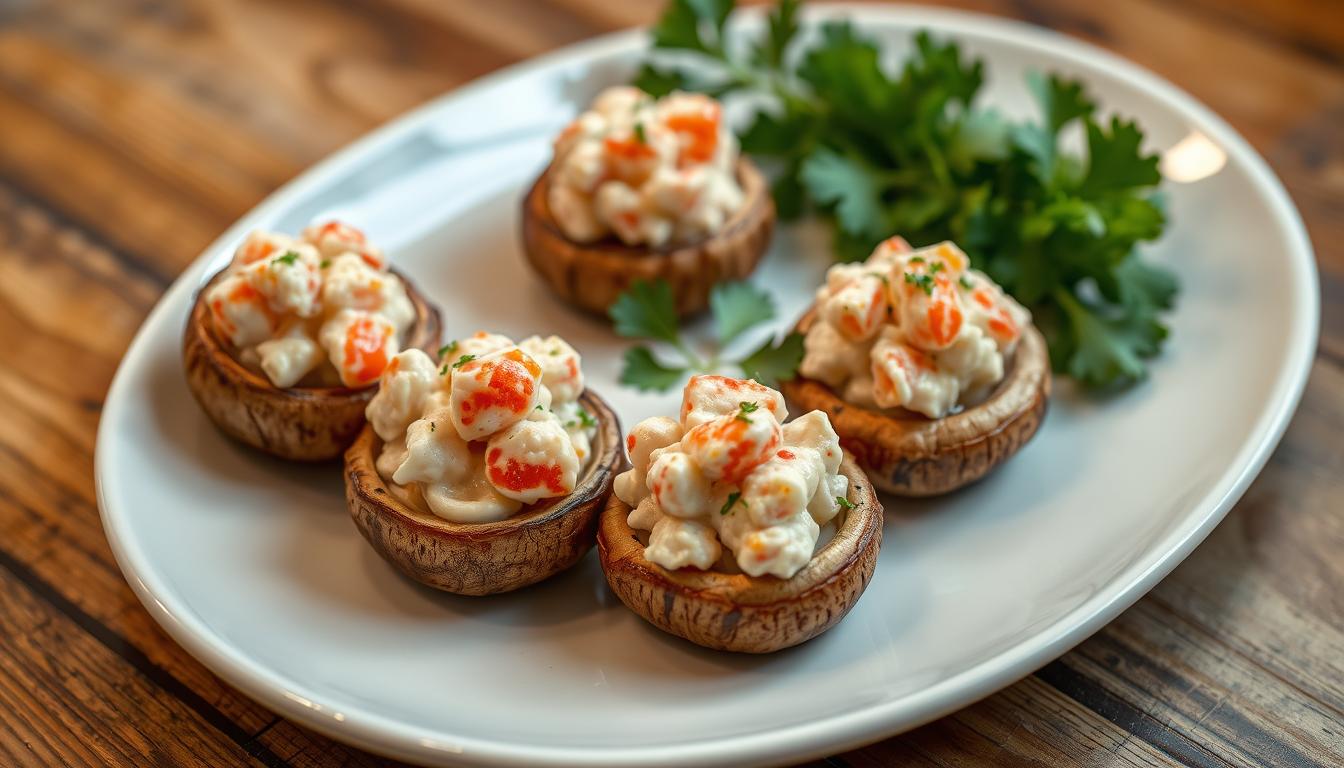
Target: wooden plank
x=63, y=693
x=1310, y=27
x=516, y=28
x=1030, y=723
x=1164, y=666
x=48, y=515
x=302, y=748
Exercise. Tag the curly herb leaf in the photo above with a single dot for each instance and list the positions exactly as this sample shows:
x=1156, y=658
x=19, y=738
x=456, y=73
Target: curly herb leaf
x=643, y=371
x=646, y=311
x=774, y=362
x=738, y=307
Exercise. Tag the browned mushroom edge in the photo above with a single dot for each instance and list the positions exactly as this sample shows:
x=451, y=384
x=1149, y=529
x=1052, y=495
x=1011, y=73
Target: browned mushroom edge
x=592, y=275
x=484, y=558
x=748, y=614
x=909, y=454
x=298, y=423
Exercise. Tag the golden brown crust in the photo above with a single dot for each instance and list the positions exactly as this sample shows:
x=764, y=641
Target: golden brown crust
x=484, y=558
x=592, y=275
x=299, y=423
x=737, y=612
x=911, y=455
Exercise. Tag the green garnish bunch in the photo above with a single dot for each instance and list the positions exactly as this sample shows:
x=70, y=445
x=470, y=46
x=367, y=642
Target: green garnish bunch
x=909, y=153
x=647, y=311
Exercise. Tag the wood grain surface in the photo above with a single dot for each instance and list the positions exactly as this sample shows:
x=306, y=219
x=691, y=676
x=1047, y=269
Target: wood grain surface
x=133, y=131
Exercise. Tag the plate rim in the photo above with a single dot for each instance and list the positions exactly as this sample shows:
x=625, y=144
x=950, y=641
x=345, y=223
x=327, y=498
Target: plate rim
x=387, y=736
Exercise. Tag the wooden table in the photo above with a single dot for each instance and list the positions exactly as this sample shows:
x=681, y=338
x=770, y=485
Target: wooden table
x=133, y=131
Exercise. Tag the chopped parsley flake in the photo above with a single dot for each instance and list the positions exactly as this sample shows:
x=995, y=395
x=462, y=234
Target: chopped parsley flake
x=586, y=419
x=728, y=505
x=444, y=370
x=448, y=349
x=287, y=258
x=463, y=360
x=743, y=409
x=640, y=135
x=964, y=282
x=925, y=282
x=325, y=263
x=936, y=267
x=917, y=260
x=846, y=503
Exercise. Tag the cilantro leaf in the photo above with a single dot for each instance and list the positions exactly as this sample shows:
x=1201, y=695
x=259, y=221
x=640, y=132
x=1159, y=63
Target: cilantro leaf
x=977, y=137
x=777, y=135
x=1104, y=351
x=845, y=73
x=773, y=362
x=789, y=195
x=646, y=311
x=643, y=371
x=1145, y=286
x=737, y=307
x=1131, y=219
x=1114, y=160
x=832, y=178
x=939, y=73
x=659, y=82
x=781, y=27
x=1038, y=145
x=1061, y=101
x=695, y=25
x=1067, y=213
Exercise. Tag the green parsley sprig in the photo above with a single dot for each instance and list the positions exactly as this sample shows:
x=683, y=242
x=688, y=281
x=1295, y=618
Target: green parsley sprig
x=909, y=152
x=647, y=311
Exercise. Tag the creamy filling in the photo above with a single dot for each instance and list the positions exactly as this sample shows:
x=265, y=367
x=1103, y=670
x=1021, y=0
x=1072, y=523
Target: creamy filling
x=649, y=171
x=317, y=310
x=491, y=427
x=912, y=329
x=729, y=480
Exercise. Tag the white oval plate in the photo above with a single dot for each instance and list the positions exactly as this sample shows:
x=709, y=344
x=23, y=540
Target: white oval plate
x=254, y=566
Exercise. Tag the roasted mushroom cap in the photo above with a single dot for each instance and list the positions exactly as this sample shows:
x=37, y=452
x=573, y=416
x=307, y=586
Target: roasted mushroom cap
x=749, y=614
x=592, y=275
x=484, y=558
x=909, y=454
x=299, y=423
